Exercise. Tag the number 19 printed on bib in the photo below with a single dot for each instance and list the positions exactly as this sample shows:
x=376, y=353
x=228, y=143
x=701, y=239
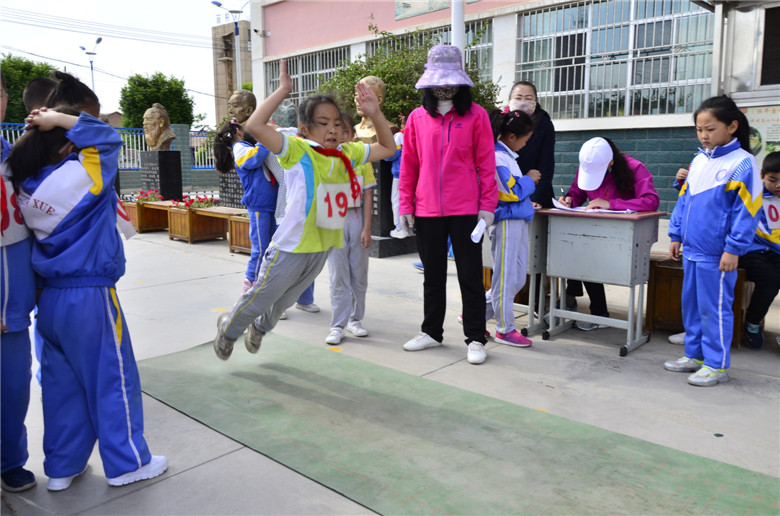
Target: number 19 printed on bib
x=333, y=201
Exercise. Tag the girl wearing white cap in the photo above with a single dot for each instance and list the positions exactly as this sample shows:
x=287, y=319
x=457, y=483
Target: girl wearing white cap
x=447, y=184
x=606, y=179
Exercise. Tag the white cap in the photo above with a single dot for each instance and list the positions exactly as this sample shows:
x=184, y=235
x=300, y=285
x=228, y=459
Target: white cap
x=595, y=156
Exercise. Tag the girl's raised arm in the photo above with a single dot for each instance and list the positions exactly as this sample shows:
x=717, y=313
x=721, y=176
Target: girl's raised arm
x=257, y=125
x=369, y=104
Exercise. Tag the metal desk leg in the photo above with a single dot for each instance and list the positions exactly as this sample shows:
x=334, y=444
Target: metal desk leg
x=557, y=322
x=635, y=337
x=535, y=323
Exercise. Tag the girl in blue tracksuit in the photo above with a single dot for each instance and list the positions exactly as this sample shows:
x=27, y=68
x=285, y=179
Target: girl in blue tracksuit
x=714, y=221
x=64, y=169
x=509, y=244
x=235, y=148
x=17, y=299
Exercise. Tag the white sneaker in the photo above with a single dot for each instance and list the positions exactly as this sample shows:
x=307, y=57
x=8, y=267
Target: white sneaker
x=154, y=468
x=283, y=316
x=476, y=353
x=62, y=483
x=399, y=233
x=308, y=308
x=420, y=342
x=335, y=336
x=356, y=329
x=677, y=338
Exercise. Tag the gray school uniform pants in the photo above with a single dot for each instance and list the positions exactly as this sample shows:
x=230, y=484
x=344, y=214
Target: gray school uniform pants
x=509, y=248
x=349, y=274
x=282, y=278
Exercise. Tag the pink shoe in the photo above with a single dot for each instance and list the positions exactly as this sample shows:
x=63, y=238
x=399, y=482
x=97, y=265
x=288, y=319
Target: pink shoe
x=513, y=338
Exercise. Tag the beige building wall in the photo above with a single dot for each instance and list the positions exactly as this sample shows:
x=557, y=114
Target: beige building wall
x=225, y=81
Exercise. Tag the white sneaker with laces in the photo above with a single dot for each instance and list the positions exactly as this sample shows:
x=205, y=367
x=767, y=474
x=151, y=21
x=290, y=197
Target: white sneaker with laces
x=399, y=233
x=683, y=365
x=420, y=342
x=335, y=336
x=476, y=353
x=62, y=483
x=356, y=329
x=308, y=308
x=154, y=468
x=708, y=376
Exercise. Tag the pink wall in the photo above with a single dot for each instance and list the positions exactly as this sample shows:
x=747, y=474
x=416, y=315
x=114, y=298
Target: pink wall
x=297, y=25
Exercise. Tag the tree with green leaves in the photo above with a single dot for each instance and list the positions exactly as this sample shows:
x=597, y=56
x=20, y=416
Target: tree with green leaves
x=400, y=61
x=18, y=71
x=143, y=91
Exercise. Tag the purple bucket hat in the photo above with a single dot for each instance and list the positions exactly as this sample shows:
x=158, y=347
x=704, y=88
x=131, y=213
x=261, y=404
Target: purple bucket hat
x=444, y=68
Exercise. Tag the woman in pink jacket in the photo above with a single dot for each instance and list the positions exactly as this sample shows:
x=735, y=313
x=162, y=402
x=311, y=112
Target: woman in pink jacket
x=610, y=180
x=447, y=185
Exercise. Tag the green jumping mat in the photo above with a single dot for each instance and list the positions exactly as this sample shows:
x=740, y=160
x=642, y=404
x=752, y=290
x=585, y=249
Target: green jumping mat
x=400, y=444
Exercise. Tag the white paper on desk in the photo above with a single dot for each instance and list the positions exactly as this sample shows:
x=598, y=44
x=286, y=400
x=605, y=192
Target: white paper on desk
x=563, y=207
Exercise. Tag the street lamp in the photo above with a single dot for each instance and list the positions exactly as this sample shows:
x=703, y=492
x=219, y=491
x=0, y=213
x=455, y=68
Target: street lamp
x=236, y=15
x=91, y=56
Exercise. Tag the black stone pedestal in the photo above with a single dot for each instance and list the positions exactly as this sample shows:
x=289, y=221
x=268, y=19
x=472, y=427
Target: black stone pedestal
x=161, y=171
x=230, y=190
x=382, y=217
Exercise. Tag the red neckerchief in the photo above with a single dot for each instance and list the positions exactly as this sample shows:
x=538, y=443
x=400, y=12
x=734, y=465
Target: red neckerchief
x=353, y=182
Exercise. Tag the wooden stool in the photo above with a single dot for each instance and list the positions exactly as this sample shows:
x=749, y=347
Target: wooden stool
x=664, y=297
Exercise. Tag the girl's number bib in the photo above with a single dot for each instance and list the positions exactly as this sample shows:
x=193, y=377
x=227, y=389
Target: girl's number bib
x=333, y=201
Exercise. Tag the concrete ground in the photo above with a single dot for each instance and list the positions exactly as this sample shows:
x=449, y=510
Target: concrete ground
x=173, y=292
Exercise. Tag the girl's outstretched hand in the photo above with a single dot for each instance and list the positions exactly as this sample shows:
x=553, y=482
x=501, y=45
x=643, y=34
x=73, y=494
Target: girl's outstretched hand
x=285, y=81
x=366, y=99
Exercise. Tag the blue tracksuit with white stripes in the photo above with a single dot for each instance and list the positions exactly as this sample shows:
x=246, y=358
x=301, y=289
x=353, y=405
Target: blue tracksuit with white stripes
x=715, y=213
x=90, y=383
x=17, y=299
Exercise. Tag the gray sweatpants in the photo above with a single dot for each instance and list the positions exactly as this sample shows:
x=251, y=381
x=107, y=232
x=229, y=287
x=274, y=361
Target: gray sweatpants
x=509, y=247
x=282, y=278
x=349, y=274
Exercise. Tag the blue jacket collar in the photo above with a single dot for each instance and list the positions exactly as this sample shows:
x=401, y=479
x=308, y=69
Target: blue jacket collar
x=501, y=146
x=719, y=151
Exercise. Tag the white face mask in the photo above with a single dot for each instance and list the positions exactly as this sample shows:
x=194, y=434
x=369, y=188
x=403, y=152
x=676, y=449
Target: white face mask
x=526, y=106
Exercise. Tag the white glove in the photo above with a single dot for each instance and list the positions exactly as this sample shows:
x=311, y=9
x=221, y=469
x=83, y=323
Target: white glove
x=488, y=216
x=407, y=223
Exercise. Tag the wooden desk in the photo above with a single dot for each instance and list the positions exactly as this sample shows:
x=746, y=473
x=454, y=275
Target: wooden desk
x=604, y=248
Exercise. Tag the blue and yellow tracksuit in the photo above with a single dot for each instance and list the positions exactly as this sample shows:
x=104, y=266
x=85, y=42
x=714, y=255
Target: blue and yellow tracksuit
x=17, y=299
x=715, y=213
x=260, y=192
x=90, y=383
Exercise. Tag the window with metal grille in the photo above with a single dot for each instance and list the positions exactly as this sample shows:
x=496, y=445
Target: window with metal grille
x=307, y=71
x=479, y=44
x=617, y=57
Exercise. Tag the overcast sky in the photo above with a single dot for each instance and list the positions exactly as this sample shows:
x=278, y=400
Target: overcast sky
x=81, y=22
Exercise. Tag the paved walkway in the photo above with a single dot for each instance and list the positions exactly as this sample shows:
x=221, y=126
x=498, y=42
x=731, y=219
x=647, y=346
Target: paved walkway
x=173, y=291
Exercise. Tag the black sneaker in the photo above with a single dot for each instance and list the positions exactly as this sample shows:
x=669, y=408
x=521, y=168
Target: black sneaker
x=17, y=480
x=754, y=340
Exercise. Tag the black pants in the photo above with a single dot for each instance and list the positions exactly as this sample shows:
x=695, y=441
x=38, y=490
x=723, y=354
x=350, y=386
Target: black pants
x=598, y=298
x=763, y=269
x=432, y=233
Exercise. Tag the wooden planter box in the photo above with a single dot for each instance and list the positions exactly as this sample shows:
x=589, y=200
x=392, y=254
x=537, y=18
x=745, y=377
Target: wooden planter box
x=145, y=218
x=185, y=224
x=239, y=235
